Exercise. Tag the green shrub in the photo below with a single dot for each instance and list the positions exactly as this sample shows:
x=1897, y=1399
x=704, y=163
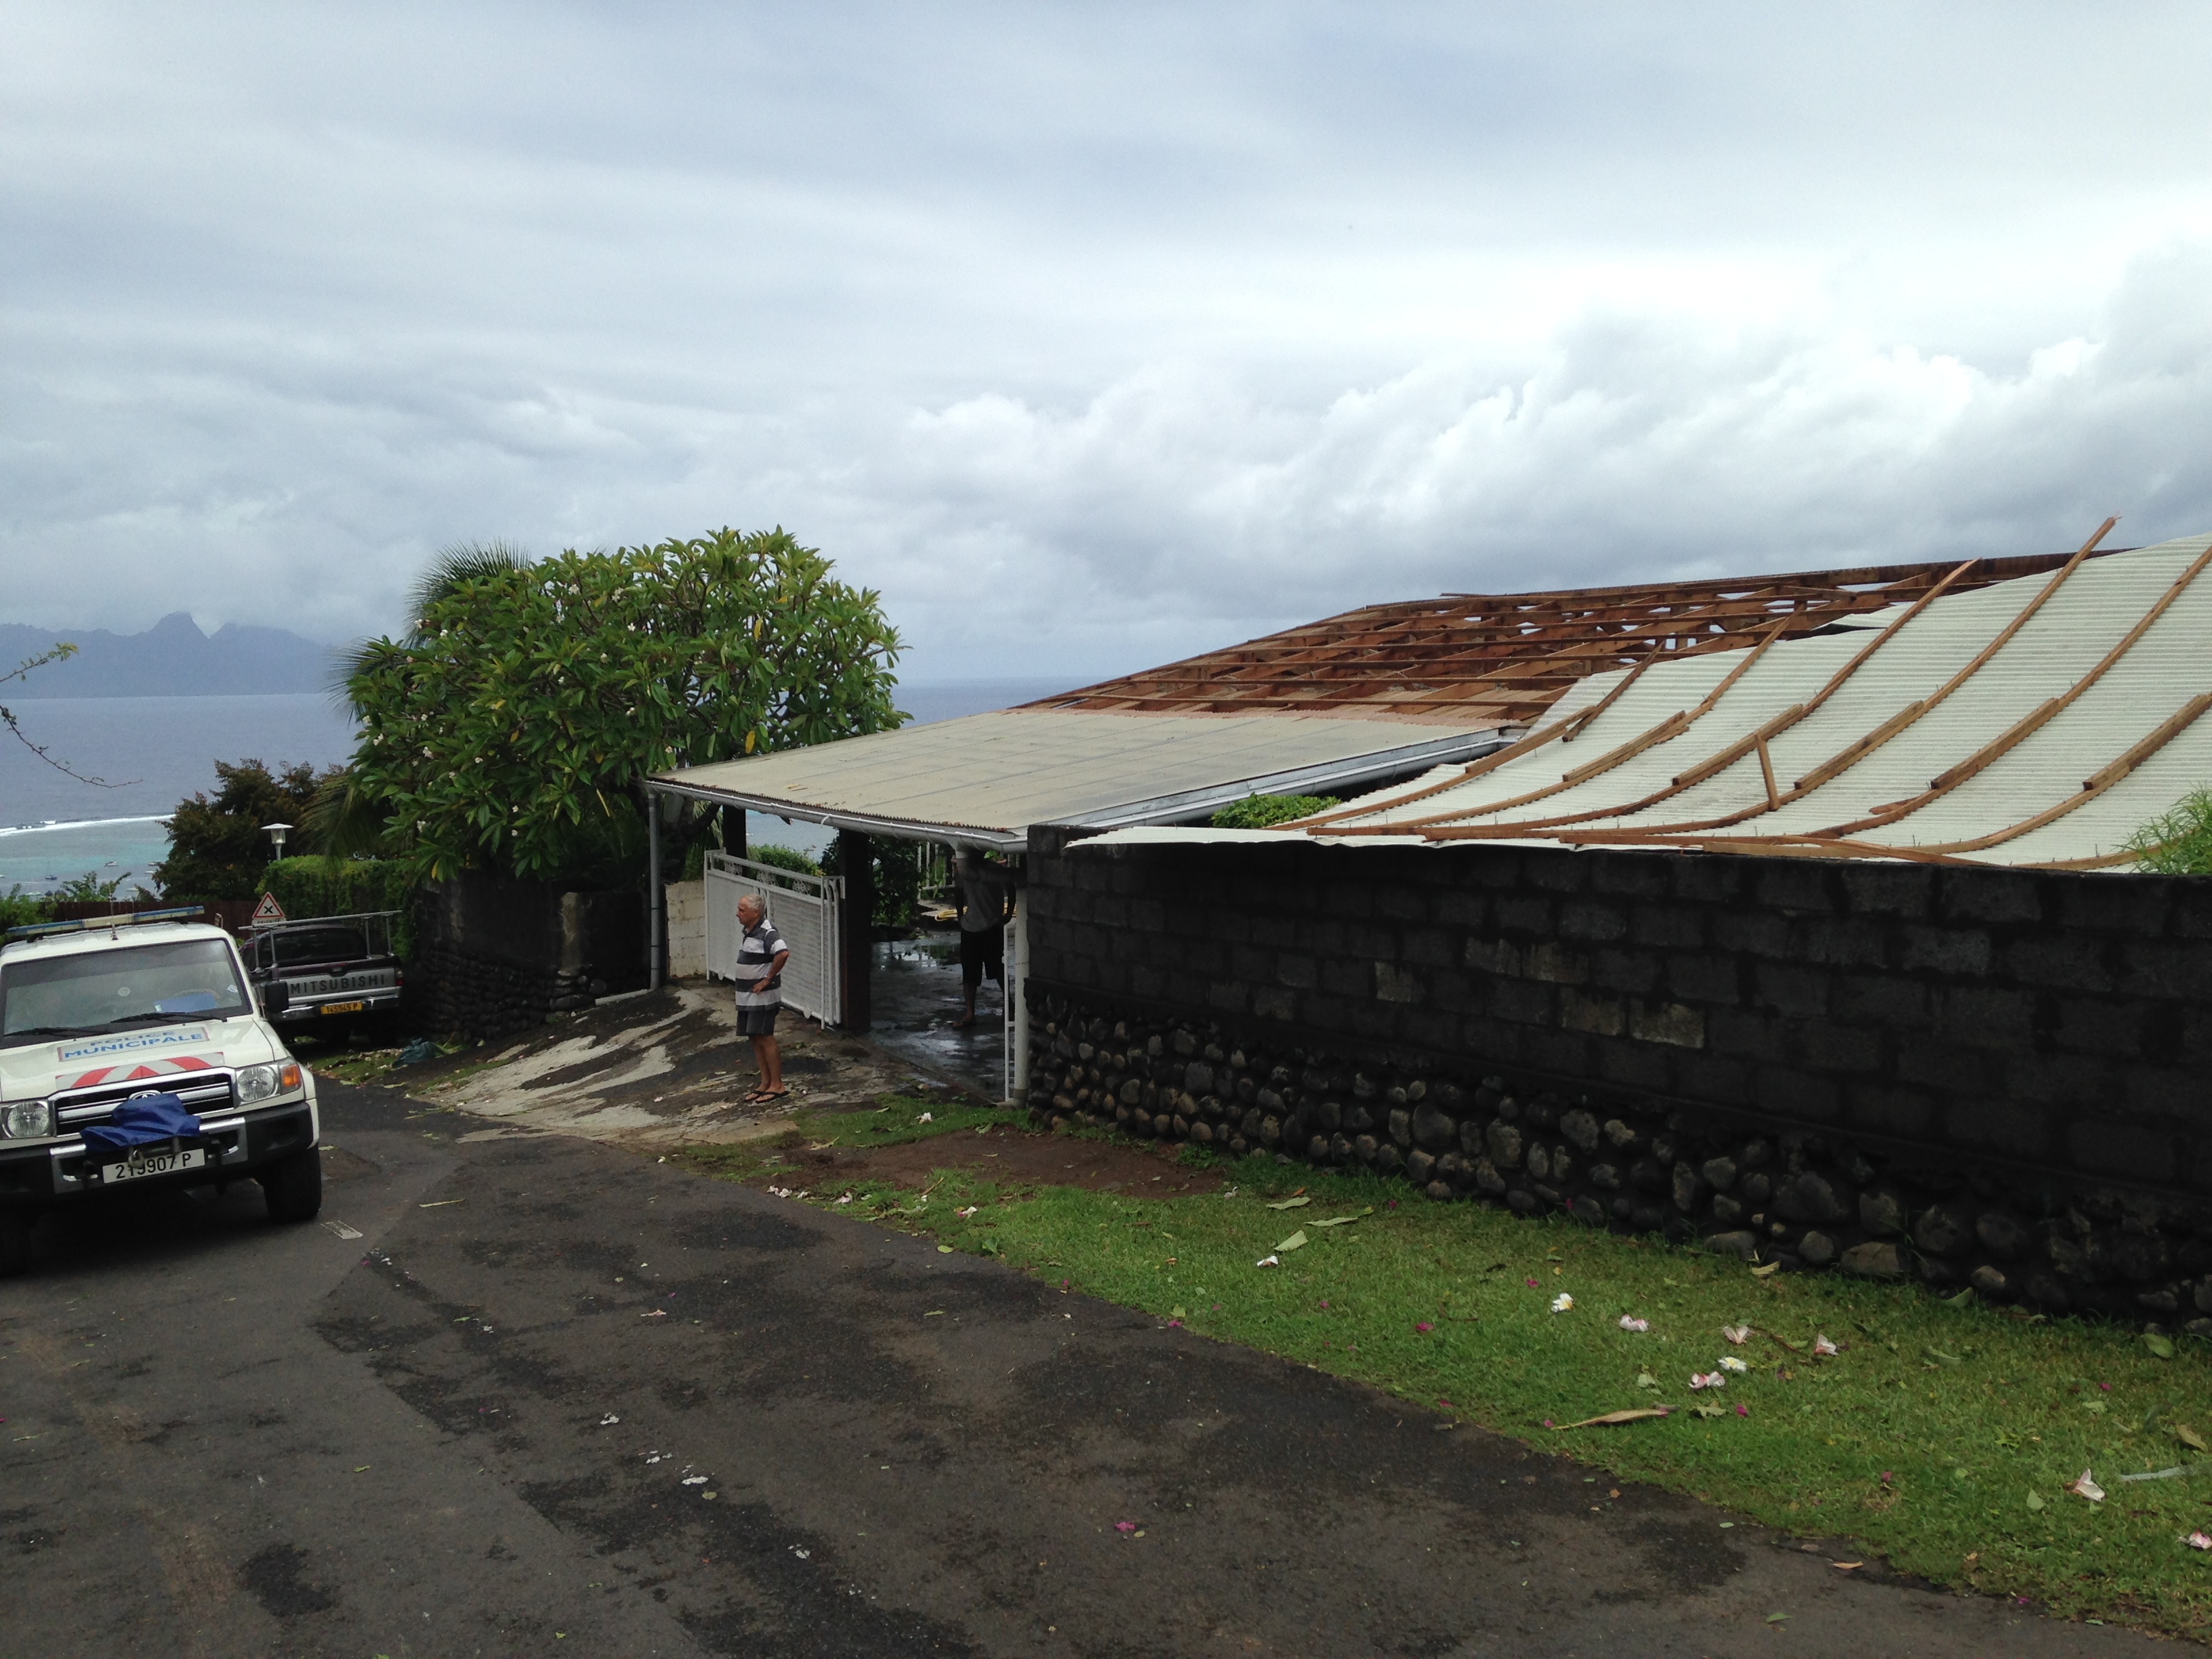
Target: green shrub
x=87, y=888
x=783, y=858
x=318, y=886
x=1265, y=812
x=896, y=867
x=2178, y=843
x=21, y=910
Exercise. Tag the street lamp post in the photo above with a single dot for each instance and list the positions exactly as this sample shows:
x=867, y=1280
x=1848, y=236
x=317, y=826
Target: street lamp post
x=277, y=832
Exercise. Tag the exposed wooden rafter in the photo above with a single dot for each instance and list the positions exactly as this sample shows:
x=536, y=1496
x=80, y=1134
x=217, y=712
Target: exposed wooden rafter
x=1502, y=659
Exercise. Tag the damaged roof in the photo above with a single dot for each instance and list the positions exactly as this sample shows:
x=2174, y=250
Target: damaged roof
x=1501, y=659
x=2037, y=722
x=1373, y=695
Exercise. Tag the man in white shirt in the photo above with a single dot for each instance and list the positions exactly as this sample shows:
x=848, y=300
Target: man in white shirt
x=759, y=976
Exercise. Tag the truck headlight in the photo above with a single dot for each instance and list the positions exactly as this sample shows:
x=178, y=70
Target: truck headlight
x=258, y=1083
x=27, y=1119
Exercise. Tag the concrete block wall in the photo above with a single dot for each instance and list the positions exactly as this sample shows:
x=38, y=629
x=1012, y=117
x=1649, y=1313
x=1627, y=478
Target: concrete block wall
x=2033, y=1021
x=687, y=930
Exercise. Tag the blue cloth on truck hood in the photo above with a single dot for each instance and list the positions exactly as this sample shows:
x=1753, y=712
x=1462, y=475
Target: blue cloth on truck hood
x=140, y=1120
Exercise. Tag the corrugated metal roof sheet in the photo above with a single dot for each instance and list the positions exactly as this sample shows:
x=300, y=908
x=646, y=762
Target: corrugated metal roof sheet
x=2040, y=720
x=989, y=777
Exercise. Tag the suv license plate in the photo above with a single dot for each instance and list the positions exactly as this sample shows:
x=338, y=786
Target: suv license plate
x=154, y=1163
x=344, y=1007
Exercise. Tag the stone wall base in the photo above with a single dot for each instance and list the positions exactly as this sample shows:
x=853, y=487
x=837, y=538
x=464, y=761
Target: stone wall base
x=1799, y=1200
x=451, y=991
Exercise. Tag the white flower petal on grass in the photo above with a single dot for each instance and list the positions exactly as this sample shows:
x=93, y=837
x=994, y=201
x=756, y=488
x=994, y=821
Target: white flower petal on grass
x=1562, y=1302
x=1707, y=1380
x=1268, y=1261
x=1739, y=1334
x=2087, y=1487
x=1630, y=1322
x=1824, y=1349
x=1732, y=1364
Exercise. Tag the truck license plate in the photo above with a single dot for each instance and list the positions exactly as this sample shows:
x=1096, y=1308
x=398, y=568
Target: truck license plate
x=152, y=1164
x=344, y=1007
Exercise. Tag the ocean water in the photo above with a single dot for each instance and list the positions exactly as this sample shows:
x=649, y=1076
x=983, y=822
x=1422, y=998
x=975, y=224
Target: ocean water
x=156, y=751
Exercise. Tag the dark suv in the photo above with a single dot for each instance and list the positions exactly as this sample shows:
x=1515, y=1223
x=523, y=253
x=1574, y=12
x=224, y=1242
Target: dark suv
x=327, y=975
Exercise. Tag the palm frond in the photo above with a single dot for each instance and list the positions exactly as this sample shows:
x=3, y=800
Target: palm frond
x=455, y=565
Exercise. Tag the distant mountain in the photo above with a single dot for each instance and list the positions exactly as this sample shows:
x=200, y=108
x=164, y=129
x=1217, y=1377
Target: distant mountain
x=172, y=658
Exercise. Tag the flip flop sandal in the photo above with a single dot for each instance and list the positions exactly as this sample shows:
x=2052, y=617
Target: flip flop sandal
x=761, y=1096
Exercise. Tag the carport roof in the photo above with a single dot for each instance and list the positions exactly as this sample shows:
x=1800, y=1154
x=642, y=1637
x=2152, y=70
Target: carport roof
x=987, y=778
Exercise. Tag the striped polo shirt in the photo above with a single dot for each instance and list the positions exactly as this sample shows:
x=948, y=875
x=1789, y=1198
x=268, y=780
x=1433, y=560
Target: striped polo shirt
x=756, y=954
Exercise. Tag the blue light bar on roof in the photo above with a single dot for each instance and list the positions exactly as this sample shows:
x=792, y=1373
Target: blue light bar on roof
x=88, y=924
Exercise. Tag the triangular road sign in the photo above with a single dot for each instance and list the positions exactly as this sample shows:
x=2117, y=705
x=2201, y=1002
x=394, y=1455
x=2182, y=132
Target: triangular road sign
x=268, y=909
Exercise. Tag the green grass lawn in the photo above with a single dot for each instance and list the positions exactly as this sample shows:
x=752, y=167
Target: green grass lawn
x=1943, y=1436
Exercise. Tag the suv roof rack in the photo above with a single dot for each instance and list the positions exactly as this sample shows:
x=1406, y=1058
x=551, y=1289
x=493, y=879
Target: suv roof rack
x=92, y=924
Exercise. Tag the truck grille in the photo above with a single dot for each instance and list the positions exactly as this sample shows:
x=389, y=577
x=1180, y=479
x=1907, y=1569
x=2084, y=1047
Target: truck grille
x=206, y=1092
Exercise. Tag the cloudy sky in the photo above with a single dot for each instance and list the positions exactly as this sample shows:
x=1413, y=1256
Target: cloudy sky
x=1091, y=336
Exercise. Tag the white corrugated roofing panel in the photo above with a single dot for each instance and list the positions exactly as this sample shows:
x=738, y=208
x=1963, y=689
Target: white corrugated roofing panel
x=1003, y=772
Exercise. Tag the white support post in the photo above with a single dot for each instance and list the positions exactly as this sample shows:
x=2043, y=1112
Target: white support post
x=1018, y=1006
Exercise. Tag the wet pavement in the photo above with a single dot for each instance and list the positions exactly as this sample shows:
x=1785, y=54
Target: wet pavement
x=915, y=989
x=521, y=1389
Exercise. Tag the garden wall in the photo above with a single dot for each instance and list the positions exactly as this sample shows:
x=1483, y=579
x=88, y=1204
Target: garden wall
x=493, y=955
x=1962, y=1072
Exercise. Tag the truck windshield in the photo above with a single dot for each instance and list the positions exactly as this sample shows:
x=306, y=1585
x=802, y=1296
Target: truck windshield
x=106, y=990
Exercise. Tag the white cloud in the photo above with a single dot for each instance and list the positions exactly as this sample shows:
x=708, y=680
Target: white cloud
x=1092, y=338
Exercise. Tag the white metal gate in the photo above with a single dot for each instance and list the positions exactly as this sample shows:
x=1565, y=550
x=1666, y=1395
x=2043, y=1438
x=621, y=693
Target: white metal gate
x=804, y=908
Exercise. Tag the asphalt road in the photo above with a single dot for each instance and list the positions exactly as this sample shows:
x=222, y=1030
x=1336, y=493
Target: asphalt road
x=559, y=1398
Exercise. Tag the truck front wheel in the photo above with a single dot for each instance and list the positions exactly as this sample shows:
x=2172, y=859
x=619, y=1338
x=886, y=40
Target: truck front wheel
x=294, y=1186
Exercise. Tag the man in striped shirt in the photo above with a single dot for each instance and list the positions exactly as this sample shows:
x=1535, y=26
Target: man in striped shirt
x=759, y=976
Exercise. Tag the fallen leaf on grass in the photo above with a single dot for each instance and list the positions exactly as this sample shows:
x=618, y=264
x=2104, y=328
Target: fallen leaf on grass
x=1778, y=1617
x=1291, y=1203
x=1767, y=1272
x=2161, y=1348
x=1607, y=1419
x=1645, y=1380
x=2035, y=1501
x=1297, y=1241
x=1711, y=1411
x=1965, y=1298
x=1337, y=1221
x=2188, y=1437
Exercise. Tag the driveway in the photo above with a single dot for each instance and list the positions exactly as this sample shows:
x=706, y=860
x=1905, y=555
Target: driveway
x=560, y=1397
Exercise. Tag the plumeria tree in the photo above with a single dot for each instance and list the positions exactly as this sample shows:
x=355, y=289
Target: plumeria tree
x=512, y=728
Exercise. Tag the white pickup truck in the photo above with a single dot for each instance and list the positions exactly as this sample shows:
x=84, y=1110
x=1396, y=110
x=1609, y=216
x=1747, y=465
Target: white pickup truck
x=94, y=1012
